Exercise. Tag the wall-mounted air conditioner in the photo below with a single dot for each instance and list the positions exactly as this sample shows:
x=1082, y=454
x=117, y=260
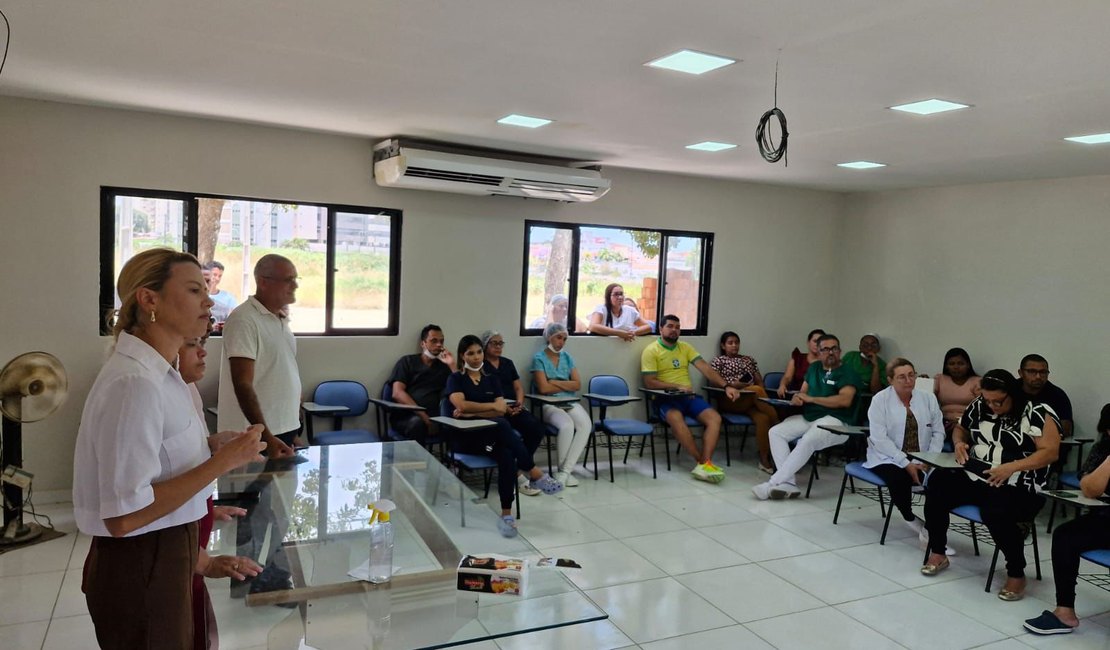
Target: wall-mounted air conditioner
x=399, y=164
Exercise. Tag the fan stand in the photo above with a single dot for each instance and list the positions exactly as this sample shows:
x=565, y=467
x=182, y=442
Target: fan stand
x=12, y=454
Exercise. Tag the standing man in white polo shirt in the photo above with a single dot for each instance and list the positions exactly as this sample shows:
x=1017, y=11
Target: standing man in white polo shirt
x=260, y=384
x=259, y=379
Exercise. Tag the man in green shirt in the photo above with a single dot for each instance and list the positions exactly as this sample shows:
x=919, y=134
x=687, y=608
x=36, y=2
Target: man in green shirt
x=665, y=365
x=827, y=397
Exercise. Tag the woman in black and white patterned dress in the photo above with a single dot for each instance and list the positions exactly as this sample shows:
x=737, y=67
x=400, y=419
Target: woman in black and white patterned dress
x=1005, y=444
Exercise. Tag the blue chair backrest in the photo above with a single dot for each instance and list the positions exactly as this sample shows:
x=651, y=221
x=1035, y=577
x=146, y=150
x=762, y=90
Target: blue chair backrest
x=446, y=408
x=387, y=391
x=610, y=385
x=343, y=392
x=772, y=380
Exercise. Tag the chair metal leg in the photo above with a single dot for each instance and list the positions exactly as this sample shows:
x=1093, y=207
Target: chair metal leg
x=990, y=574
x=974, y=539
x=628, y=448
x=488, y=475
x=654, y=475
x=840, y=499
x=550, y=466
x=882, y=507
x=612, y=478
x=593, y=441
x=1051, y=516
x=1036, y=552
x=812, y=475
x=728, y=455
x=666, y=446
x=886, y=523
x=517, y=490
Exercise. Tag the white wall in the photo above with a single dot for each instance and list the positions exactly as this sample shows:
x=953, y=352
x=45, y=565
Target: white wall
x=1002, y=270
x=461, y=255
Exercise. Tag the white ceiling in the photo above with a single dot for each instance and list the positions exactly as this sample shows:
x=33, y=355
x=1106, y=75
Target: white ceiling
x=1035, y=71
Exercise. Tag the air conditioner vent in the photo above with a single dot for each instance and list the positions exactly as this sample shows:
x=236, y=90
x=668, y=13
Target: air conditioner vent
x=454, y=176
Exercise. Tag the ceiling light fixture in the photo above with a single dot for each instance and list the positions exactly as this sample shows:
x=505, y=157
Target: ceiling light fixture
x=929, y=106
x=861, y=164
x=691, y=62
x=709, y=145
x=1096, y=138
x=523, y=120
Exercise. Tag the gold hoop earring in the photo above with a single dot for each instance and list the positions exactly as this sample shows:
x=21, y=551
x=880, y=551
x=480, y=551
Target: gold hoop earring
x=152, y=318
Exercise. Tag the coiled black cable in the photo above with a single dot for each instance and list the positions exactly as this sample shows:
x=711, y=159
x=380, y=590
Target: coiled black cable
x=767, y=148
x=7, y=40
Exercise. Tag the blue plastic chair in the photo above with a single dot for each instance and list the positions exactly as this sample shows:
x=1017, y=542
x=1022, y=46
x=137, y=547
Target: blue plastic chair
x=1100, y=557
x=350, y=394
x=974, y=516
x=614, y=386
x=652, y=416
x=853, y=471
x=470, y=462
x=771, y=382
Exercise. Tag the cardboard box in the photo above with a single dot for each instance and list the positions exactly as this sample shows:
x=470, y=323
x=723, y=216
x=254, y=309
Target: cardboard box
x=492, y=574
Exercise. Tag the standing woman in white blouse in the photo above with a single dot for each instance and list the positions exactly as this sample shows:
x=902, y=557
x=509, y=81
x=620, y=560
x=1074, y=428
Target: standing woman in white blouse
x=142, y=469
x=902, y=420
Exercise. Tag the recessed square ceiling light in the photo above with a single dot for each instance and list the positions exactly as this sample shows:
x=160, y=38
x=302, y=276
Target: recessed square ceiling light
x=861, y=164
x=691, y=62
x=523, y=120
x=1097, y=138
x=929, y=106
x=709, y=145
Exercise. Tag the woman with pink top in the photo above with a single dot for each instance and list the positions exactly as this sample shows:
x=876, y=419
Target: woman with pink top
x=955, y=387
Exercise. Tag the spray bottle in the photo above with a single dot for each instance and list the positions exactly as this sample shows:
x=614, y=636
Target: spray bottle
x=381, y=541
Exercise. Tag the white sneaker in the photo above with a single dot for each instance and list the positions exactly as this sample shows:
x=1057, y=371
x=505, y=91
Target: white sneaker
x=917, y=526
x=566, y=478
x=525, y=486
x=785, y=491
x=923, y=539
x=762, y=491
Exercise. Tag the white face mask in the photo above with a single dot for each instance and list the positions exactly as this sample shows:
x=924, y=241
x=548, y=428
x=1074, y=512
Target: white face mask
x=428, y=353
x=476, y=368
x=552, y=348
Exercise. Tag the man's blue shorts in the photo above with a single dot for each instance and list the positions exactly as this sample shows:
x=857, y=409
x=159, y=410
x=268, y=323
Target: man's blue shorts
x=689, y=405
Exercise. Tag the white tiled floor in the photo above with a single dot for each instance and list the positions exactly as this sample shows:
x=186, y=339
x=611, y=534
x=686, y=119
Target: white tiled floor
x=682, y=564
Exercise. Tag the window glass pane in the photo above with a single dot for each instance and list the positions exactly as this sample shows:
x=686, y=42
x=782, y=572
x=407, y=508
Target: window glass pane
x=549, y=258
x=143, y=223
x=627, y=257
x=362, y=270
x=683, y=279
x=250, y=229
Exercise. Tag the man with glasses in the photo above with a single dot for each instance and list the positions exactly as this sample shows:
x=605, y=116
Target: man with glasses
x=419, y=379
x=259, y=379
x=827, y=397
x=261, y=384
x=1039, y=390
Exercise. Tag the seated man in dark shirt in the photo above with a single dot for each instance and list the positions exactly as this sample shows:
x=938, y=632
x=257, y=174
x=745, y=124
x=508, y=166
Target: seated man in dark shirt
x=1035, y=384
x=420, y=379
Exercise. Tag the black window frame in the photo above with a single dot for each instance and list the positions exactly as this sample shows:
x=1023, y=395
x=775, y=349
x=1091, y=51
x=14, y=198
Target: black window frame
x=572, y=290
x=190, y=235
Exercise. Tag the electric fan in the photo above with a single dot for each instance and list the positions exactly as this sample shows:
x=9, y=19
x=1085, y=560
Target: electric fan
x=32, y=386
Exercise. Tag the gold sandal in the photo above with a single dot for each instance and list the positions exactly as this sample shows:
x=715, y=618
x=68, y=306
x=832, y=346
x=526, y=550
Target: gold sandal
x=933, y=569
x=1011, y=596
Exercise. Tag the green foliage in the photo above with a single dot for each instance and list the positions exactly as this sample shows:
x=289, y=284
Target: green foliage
x=647, y=241
x=296, y=243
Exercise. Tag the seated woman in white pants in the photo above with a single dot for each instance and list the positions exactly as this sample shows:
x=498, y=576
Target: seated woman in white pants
x=554, y=374
x=826, y=398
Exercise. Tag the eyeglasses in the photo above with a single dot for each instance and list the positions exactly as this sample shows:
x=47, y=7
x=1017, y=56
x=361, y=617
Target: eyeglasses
x=496, y=344
x=996, y=403
x=909, y=376
x=1035, y=373
x=832, y=349
x=619, y=294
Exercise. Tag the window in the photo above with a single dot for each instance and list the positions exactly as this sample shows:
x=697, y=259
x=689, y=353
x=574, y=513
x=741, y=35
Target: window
x=567, y=268
x=347, y=258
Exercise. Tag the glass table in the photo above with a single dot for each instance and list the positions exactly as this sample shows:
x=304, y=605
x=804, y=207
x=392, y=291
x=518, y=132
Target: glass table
x=308, y=522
